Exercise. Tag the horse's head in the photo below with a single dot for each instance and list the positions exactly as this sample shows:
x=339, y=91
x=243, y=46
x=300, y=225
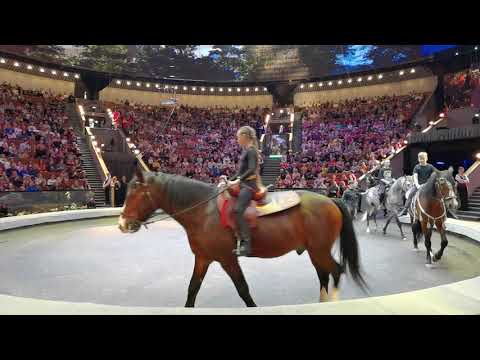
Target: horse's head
x=406, y=183
x=446, y=187
x=139, y=204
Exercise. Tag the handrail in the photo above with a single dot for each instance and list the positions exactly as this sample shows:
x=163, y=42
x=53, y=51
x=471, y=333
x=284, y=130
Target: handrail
x=472, y=168
x=103, y=166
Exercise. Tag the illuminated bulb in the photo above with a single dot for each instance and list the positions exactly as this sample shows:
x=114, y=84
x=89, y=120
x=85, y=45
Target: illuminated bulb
x=2, y=61
x=256, y=89
x=65, y=74
x=380, y=76
x=247, y=89
x=137, y=151
x=147, y=85
x=431, y=122
x=340, y=82
x=29, y=67
x=370, y=78
x=118, y=82
x=402, y=72
x=221, y=89
x=359, y=79
x=405, y=142
x=321, y=84
x=94, y=143
x=264, y=89
x=349, y=81
x=476, y=48
x=203, y=89
x=185, y=88
x=194, y=88
x=42, y=70
x=311, y=85
x=16, y=64
x=166, y=86
x=128, y=82
x=54, y=72
x=176, y=87
x=478, y=156
x=128, y=139
x=330, y=83
x=442, y=115
x=77, y=76
x=229, y=90
x=412, y=71
x=211, y=89
x=238, y=89
x=456, y=54
x=138, y=84
x=301, y=86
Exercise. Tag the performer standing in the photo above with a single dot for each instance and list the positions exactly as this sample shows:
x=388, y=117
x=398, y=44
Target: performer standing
x=248, y=176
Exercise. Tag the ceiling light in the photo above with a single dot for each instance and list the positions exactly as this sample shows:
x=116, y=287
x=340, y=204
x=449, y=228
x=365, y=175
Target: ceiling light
x=238, y=89
x=247, y=89
x=256, y=89
x=330, y=83
x=77, y=76
x=211, y=89
x=321, y=84
x=185, y=88
x=118, y=82
x=370, y=78
x=203, y=89
x=311, y=85
x=54, y=72
x=157, y=86
x=29, y=67
x=128, y=82
x=65, y=74
x=380, y=76
x=412, y=71
x=147, y=85
x=2, y=61
x=359, y=79
x=16, y=64
x=42, y=70
x=264, y=89
x=340, y=82
x=456, y=54
x=194, y=88
x=138, y=84
x=402, y=72
x=349, y=81
x=301, y=86
x=229, y=89
x=221, y=89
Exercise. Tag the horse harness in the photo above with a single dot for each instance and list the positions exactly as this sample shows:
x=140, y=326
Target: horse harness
x=424, y=212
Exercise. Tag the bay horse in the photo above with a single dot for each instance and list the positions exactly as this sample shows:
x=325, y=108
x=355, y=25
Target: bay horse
x=312, y=225
x=428, y=208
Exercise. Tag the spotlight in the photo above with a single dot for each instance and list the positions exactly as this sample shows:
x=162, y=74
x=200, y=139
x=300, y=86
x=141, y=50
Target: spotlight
x=477, y=115
x=256, y=89
x=238, y=89
x=477, y=155
x=147, y=85
x=321, y=84
x=475, y=48
x=211, y=89
x=442, y=115
x=77, y=76
x=194, y=88
x=129, y=83
x=370, y=78
x=456, y=54
x=405, y=142
x=330, y=83
x=359, y=79
x=340, y=82
x=380, y=76
x=2, y=61
x=247, y=89
x=349, y=81
x=402, y=72
x=16, y=64
x=138, y=84
x=42, y=70
x=301, y=86
x=311, y=85
x=118, y=82
x=412, y=71
x=54, y=72
x=29, y=67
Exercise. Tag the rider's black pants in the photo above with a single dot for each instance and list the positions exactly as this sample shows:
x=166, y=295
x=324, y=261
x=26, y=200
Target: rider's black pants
x=243, y=200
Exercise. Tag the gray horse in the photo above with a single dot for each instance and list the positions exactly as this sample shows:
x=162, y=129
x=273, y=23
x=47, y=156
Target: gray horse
x=350, y=197
x=373, y=203
x=395, y=199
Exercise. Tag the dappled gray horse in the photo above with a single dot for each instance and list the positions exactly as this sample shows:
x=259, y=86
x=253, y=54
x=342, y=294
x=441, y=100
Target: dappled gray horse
x=395, y=199
x=350, y=198
x=373, y=203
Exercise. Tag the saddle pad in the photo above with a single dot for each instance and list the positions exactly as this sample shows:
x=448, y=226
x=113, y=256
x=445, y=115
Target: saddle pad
x=278, y=201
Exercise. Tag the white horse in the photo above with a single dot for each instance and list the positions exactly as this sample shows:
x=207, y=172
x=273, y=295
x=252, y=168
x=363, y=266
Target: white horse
x=395, y=199
x=373, y=203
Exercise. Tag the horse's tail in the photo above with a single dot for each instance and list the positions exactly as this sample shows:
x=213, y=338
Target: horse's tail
x=349, y=253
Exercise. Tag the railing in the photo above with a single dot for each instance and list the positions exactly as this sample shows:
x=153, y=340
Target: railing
x=473, y=173
x=45, y=201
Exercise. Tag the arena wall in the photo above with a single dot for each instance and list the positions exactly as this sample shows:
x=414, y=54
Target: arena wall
x=35, y=82
x=425, y=84
x=118, y=95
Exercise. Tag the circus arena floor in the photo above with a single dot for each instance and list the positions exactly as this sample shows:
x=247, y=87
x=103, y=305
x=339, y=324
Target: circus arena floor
x=91, y=261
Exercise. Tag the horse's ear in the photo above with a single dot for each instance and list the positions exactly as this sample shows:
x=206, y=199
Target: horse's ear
x=139, y=175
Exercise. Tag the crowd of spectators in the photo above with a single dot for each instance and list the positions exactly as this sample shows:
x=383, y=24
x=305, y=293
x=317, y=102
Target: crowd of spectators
x=199, y=143
x=459, y=88
x=342, y=141
x=38, y=149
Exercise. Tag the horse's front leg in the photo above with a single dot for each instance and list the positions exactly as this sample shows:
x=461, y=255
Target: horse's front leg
x=440, y=227
x=232, y=268
x=199, y=272
x=399, y=224
x=386, y=224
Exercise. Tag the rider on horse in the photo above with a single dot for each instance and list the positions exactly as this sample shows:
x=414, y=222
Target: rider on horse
x=248, y=176
x=385, y=177
x=421, y=174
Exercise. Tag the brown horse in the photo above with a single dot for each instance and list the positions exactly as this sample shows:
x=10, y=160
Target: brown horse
x=313, y=225
x=429, y=207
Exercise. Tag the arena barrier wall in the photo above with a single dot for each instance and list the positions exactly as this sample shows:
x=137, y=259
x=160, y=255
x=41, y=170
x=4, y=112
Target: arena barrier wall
x=34, y=82
x=460, y=298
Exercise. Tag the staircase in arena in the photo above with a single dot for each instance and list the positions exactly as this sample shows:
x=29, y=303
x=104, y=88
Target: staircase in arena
x=297, y=132
x=473, y=211
x=271, y=170
x=88, y=164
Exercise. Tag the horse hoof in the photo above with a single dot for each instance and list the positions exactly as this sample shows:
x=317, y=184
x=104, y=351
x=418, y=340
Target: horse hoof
x=368, y=230
x=416, y=249
x=334, y=295
x=429, y=265
x=404, y=239
x=323, y=295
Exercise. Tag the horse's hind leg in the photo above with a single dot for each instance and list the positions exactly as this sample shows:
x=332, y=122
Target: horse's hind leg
x=386, y=224
x=325, y=265
x=399, y=224
x=199, y=272
x=427, y=231
x=232, y=268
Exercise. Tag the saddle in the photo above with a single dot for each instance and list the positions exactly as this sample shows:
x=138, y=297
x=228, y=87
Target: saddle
x=263, y=204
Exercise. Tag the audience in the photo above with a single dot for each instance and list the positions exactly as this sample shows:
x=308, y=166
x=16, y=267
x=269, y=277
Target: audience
x=38, y=149
x=459, y=88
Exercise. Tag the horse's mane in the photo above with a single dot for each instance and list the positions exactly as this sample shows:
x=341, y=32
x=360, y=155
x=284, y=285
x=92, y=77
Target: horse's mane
x=429, y=187
x=182, y=191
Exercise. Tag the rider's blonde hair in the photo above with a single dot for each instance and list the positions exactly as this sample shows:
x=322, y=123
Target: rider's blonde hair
x=250, y=133
x=423, y=155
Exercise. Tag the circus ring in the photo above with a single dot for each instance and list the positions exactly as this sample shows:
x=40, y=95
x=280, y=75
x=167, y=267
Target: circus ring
x=78, y=262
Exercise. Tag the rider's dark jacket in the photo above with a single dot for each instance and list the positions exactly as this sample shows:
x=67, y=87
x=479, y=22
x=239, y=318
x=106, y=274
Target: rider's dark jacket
x=247, y=169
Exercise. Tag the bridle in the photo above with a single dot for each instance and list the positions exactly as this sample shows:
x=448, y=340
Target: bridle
x=149, y=197
x=440, y=198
